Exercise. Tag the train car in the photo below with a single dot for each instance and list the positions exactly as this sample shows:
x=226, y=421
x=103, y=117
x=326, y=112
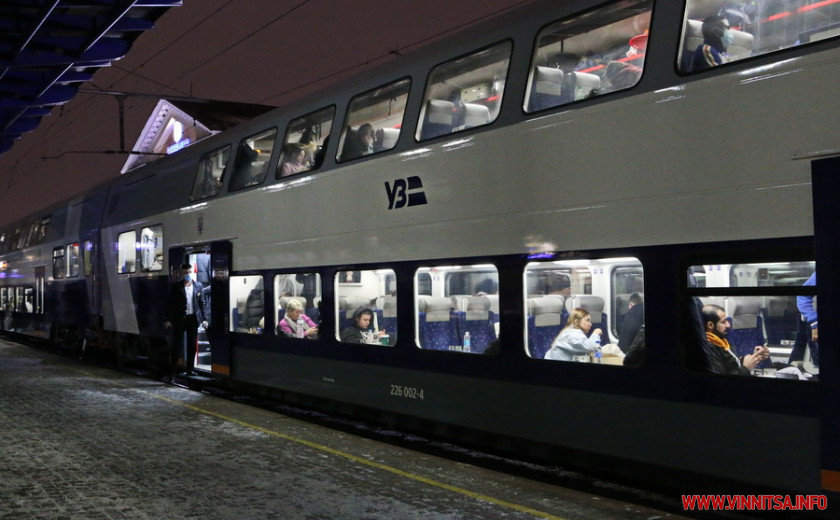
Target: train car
x=472, y=196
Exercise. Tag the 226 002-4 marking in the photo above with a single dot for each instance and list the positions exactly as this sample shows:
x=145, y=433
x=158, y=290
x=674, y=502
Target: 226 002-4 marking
x=409, y=392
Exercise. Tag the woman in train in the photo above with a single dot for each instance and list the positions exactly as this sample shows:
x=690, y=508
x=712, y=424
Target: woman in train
x=360, y=330
x=572, y=340
x=296, y=324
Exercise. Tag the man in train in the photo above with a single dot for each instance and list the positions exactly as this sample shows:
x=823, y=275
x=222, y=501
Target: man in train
x=717, y=36
x=724, y=360
x=185, y=310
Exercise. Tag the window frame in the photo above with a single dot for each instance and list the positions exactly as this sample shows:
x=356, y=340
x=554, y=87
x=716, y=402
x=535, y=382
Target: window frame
x=579, y=18
x=316, y=164
x=453, y=63
x=201, y=180
x=237, y=184
x=346, y=126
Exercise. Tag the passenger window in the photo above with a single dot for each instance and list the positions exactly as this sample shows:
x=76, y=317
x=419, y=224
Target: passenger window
x=373, y=121
x=593, y=53
x=367, y=306
x=758, y=319
x=59, y=263
x=151, y=248
x=298, y=305
x=715, y=33
x=589, y=311
x=73, y=260
x=210, y=174
x=247, y=304
x=250, y=164
x=127, y=252
x=465, y=92
x=461, y=311
x=305, y=143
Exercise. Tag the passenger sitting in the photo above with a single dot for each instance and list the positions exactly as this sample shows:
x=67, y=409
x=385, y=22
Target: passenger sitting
x=716, y=38
x=572, y=340
x=359, y=142
x=723, y=360
x=296, y=324
x=358, y=332
x=294, y=161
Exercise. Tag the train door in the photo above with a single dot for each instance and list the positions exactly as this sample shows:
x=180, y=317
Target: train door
x=826, y=186
x=211, y=267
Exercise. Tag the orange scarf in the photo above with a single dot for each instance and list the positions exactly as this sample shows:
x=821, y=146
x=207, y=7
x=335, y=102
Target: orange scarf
x=715, y=340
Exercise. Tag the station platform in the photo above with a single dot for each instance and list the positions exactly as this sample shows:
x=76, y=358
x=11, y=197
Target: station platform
x=81, y=441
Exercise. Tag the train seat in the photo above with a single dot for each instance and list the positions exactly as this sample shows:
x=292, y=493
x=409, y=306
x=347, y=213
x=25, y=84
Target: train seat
x=747, y=324
x=546, y=88
x=595, y=306
x=781, y=319
x=475, y=115
x=314, y=312
x=741, y=46
x=545, y=321
x=437, y=118
x=435, y=322
x=473, y=315
x=494, y=306
x=583, y=84
x=386, y=312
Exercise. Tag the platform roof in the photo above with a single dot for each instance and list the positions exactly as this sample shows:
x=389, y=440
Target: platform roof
x=48, y=48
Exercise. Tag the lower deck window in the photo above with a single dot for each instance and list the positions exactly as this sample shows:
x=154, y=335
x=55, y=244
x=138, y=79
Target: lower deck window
x=367, y=306
x=756, y=319
x=247, y=304
x=458, y=308
x=588, y=310
x=298, y=305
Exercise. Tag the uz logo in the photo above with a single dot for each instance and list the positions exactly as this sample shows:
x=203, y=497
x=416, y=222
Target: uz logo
x=397, y=193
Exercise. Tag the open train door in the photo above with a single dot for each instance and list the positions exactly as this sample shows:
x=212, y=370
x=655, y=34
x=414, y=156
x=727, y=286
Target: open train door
x=217, y=332
x=826, y=187
x=211, y=268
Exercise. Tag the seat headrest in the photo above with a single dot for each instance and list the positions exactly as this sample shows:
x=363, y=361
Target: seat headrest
x=475, y=115
x=548, y=81
x=439, y=112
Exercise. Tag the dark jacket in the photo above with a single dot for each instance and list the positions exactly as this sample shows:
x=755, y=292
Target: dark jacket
x=176, y=305
x=352, y=334
x=630, y=325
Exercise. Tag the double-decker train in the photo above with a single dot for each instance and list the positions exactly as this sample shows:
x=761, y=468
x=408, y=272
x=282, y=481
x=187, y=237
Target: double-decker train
x=472, y=195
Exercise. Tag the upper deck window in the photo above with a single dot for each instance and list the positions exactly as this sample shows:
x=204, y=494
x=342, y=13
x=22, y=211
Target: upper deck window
x=373, y=121
x=251, y=161
x=305, y=143
x=465, y=92
x=597, y=52
x=716, y=32
x=211, y=169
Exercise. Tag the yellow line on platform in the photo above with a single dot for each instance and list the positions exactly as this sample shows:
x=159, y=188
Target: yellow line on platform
x=345, y=455
x=360, y=460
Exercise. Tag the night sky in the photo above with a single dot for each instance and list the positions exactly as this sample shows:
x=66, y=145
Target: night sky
x=252, y=51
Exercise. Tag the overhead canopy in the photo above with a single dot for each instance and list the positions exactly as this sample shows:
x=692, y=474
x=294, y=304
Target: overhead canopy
x=48, y=48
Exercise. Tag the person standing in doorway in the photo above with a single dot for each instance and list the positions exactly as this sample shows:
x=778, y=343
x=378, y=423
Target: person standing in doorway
x=185, y=310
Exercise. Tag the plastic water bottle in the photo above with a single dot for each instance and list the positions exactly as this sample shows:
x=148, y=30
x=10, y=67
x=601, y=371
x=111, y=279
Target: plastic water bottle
x=598, y=349
x=371, y=336
x=300, y=333
x=467, y=342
